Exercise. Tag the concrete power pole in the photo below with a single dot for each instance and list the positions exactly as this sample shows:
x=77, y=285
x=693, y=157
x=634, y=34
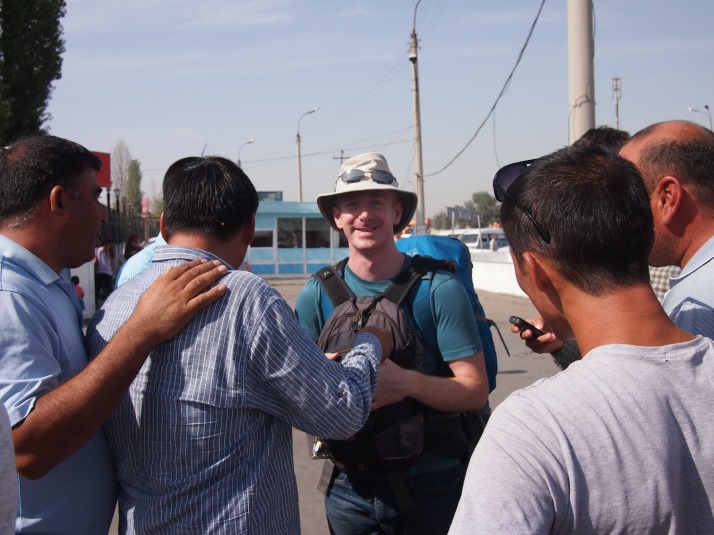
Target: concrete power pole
x=418, y=167
x=616, y=94
x=581, y=73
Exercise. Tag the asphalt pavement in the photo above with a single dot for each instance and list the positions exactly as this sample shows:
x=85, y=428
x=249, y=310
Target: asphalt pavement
x=521, y=369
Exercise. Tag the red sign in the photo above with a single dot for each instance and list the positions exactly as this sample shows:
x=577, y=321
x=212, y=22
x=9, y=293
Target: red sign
x=104, y=176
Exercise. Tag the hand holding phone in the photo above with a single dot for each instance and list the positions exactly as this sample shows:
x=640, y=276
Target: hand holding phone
x=523, y=325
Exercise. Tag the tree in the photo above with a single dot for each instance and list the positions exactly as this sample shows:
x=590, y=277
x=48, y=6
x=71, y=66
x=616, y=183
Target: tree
x=482, y=202
x=440, y=220
x=133, y=186
x=158, y=205
x=486, y=204
x=31, y=46
x=120, y=166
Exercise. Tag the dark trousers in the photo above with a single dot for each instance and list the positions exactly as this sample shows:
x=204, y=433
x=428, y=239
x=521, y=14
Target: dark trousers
x=104, y=285
x=357, y=506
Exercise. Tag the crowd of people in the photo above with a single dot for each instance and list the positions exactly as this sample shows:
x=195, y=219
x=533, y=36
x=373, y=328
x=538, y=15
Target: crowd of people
x=179, y=403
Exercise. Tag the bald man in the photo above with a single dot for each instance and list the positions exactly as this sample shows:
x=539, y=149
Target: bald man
x=676, y=161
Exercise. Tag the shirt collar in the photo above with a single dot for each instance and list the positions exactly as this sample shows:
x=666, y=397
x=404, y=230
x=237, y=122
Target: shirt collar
x=26, y=260
x=164, y=253
x=700, y=258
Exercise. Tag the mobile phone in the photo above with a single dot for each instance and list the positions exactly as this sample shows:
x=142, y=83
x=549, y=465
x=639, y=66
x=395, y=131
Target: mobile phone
x=523, y=325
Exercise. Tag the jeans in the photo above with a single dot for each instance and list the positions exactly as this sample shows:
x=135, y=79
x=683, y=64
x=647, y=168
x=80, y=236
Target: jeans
x=357, y=506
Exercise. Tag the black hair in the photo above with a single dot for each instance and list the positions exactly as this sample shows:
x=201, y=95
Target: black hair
x=606, y=137
x=596, y=208
x=32, y=166
x=75, y=279
x=207, y=195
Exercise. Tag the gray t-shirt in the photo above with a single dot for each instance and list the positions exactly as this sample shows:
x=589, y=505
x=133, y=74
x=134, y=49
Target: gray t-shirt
x=620, y=442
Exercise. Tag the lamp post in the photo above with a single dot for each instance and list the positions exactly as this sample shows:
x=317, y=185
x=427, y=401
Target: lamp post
x=418, y=166
x=297, y=140
x=251, y=140
x=708, y=113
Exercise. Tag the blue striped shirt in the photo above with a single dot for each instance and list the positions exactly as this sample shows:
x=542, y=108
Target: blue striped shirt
x=139, y=262
x=42, y=347
x=203, y=440
x=690, y=300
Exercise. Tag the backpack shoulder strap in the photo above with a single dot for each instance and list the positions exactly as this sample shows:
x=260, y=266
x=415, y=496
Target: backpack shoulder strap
x=421, y=309
x=333, y=284
x=400, y=288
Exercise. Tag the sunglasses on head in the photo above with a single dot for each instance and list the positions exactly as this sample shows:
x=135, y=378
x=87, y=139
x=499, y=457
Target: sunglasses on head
x=377, y=175
x=504, y=179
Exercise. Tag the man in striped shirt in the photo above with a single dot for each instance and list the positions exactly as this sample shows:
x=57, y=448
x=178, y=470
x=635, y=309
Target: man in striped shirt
x=203, y=439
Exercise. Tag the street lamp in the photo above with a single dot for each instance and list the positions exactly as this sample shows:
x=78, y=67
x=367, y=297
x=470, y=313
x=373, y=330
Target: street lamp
x=708, y=113
x=418, y=165
x=297, y=140
x=251, y=140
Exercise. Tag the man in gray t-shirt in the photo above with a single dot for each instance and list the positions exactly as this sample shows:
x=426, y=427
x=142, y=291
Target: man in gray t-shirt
x=622, y=441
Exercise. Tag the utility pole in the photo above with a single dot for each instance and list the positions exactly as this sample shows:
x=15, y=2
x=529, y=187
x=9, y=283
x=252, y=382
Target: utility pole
x=341, y=157
x=581, y=73
x=418, y=166
x=299, y=159
x=616, y=94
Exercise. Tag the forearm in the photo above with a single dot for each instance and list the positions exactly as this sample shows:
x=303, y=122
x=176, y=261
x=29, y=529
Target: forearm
x=466, y=389
x=65, y=418
x=344, y=409
x=448, y=393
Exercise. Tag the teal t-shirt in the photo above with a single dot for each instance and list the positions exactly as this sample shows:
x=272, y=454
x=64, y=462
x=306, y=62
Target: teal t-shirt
x=456, y=331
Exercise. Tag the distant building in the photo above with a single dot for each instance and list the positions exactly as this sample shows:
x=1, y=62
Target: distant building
x=270, y=196
x=292, y=238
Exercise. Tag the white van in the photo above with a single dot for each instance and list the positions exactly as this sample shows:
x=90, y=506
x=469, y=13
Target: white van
x=478, y=240
x=453, y=233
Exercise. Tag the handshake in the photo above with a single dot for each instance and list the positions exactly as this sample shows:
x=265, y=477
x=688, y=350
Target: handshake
x=384, y=337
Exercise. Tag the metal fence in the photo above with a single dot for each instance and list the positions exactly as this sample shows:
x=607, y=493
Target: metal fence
x=119, y=227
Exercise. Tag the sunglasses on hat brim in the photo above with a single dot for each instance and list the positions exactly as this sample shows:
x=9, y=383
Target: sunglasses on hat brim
x=377, y=175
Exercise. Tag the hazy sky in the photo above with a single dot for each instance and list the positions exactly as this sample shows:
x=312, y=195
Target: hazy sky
x=175, y=78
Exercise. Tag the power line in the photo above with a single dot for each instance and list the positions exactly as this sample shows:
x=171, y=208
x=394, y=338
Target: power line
x=375, y=84
x=268, y=161
x=395, y=66
x=498, y=98
x=433, y=17
x=341, y=157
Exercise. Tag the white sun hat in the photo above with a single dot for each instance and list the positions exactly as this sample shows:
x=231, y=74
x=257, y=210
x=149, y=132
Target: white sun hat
x=367, y=172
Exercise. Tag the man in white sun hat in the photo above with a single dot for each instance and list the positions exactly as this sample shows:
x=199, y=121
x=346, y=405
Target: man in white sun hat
x=369, y=208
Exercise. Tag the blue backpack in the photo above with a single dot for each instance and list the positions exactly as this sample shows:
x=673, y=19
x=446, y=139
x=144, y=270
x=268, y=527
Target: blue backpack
x=456, y=254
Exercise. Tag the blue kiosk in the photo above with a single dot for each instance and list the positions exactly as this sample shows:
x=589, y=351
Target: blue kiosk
x=292, y=239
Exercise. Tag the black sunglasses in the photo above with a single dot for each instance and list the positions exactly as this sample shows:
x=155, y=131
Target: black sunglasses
x=357, y=175
x=504, y=179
